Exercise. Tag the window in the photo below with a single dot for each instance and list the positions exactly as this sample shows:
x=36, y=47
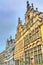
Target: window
x=35, y=52
x=39, y=49
x=36, y=59
x=33, y=35
x=35, y=55
x=26, y=40
x=27, y=57
x=30, y=37
x=37, y=32
x=39, y=54
x=40, y=58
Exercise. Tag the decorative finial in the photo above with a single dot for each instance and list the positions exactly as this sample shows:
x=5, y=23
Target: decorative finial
x=19, y=19
x=32, y=5
x=27, y=5
x=10, y=37
x=7, y=40
x=37, y=9
x=27, y=2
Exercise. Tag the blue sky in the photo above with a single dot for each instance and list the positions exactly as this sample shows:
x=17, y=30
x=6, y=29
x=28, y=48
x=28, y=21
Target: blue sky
x=10, y=10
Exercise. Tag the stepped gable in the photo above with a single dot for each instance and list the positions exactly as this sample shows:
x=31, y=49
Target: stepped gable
x=29, y=12
x=32, y=13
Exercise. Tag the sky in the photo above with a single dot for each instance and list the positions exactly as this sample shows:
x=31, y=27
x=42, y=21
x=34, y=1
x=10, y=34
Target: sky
x=10, y=10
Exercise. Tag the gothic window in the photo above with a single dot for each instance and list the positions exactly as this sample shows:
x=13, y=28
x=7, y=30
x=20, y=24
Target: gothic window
x=30, y=37
x=33, y=35
x=39, y=49
x=35, y=55
x=35, y=51
x=27, y=57
x=26, y=40
x=36, y=59
x=39, y=54
x=37, y=32
x=40, y=58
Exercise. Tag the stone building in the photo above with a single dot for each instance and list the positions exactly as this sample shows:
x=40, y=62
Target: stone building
x=2, y=55
x=29, y=38
x=9, y=52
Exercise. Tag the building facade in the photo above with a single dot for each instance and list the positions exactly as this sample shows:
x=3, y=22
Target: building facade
x=9, y=52
x=2, y=55
x=29, y=38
